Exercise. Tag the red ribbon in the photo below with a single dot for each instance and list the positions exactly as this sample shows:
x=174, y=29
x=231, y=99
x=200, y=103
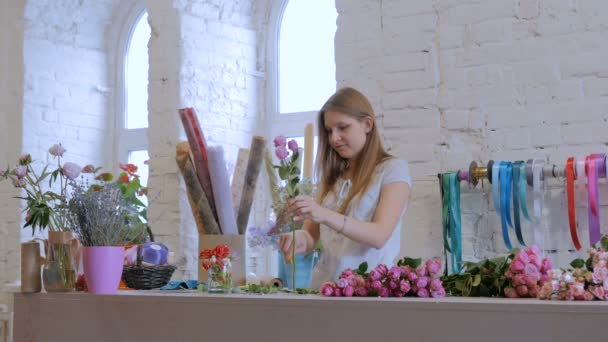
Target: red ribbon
x=571, y=209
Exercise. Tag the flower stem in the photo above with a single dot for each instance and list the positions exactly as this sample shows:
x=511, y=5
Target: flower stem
x=293, y=257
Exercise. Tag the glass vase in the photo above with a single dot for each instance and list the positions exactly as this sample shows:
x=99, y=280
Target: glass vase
x=58, y=272
x=220, y=278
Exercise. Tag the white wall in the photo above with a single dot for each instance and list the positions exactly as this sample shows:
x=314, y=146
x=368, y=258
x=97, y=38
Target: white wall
x=465, y=80
x=456, y=80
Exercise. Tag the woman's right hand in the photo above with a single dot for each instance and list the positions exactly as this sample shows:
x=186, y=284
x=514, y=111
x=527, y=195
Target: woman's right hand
x=286, y=241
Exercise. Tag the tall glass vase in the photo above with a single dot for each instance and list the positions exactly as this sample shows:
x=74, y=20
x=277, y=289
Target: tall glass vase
x=58, y=272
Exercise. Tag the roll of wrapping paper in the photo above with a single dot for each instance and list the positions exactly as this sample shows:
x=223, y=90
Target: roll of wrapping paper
x=221, y=192
x=256, y=156
x=308, y=150
x=273, y=182
x=30, y=267
x=201, y=210
x=198, y=148
x=238, y=178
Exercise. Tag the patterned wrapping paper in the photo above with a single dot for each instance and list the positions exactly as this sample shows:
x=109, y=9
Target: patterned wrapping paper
x=221, y=193
x=238, y=177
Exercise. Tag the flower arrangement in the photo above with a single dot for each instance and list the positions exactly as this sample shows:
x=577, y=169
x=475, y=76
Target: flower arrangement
x=97, y=216
x=518, y=274
x=587, y=281
x=44, y=206
x=218, y=263
x=410, y=277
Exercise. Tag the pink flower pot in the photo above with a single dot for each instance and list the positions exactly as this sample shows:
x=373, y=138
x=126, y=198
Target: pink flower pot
x=103, y=268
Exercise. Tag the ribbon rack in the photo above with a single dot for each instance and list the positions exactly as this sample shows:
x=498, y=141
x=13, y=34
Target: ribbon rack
x=512, y=183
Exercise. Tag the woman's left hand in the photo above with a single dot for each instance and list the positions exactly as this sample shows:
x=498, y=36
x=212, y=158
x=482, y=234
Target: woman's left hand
x=305, y=208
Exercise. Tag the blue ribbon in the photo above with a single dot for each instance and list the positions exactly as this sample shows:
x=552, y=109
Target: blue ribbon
x=452, y=232
x=516, y=198
x=505, y=169
x=523, y=185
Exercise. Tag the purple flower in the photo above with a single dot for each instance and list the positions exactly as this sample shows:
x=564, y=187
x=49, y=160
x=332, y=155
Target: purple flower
x=422, y=282
x=376, y=285
x=423, y=293
x=342, y=283
x=348, y=291
x=57, y=150
x=395, y=273
x=421, y=271
x=404, y=286
x=71, y=170
x=280, y=141
x=435, y=284
x=375, y=275
x=433, y=266
x=412, y=276
x=346, y=273
x=338, y=292
x=383, y=292
x=439, y=293
x=20, y=171
x=361, y=291
x=293, y=146
x=382, y=269
x=18, y=182
x=281, y=153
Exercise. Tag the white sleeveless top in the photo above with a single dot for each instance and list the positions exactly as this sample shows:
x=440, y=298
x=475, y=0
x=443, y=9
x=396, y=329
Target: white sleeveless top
x=340, y=252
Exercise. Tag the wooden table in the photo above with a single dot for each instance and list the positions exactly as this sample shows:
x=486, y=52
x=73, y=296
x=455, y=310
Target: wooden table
x=135, y=316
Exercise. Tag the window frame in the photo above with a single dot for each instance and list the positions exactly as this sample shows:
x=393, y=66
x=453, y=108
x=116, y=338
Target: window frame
x=136, y=139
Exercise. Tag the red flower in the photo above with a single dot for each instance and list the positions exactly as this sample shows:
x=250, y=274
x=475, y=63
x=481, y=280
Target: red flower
x=222, y=251
x=124, y=178
x=206, y=254
x=207, y=264
x=130, y=168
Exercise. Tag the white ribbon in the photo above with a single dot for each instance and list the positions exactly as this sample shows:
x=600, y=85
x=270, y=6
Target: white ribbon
x=538, y=190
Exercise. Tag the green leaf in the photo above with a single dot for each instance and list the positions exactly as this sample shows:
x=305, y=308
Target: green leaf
x=589, y=264
x=476, y=280
x=578, y=263
x=412, y=262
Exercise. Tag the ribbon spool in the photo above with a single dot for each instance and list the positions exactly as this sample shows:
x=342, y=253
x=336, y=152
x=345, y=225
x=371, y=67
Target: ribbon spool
x=476, y=173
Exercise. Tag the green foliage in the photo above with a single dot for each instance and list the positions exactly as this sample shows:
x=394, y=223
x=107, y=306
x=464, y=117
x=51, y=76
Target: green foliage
x=412, y=262
x=485, y=278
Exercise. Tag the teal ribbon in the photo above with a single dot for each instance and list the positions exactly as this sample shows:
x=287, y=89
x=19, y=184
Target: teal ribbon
x=505, y=170
x=452, y=229
x=516, y=198
x=496, y=185
x=523, y=186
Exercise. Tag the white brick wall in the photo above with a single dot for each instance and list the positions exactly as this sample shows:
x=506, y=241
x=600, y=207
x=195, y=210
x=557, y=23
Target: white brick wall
x=457, y=80
x=499, y=79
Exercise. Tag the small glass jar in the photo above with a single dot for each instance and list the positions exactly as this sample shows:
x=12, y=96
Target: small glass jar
x=220, y=277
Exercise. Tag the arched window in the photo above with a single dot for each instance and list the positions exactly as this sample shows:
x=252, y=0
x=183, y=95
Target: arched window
x=304, y=63
x=133, y=125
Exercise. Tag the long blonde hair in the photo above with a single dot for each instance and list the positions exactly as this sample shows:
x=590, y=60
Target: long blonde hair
x=330, y=165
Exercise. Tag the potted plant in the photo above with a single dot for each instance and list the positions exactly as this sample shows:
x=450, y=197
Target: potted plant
x=98, y=215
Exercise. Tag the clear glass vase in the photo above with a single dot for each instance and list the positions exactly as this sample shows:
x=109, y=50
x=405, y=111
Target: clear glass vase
x=58, y=272
x=220, y=278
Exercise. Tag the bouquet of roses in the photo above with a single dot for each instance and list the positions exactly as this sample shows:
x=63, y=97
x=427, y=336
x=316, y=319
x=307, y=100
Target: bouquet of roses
x=587, y=281
x=518, y=274
x=410, y=277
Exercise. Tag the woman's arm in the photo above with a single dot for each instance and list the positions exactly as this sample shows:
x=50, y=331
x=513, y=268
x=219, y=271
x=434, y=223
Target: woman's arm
x=392, y=201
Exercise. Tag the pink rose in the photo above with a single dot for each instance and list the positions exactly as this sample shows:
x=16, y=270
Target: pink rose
x=534, y=249
x=348, y=291
x=412, y=277
x=361, y=291
x=510, y=292
x=534, y=260
x=587, y=296
x=421, y=270
x=404, y=286
x=522, y=290
x=519, y=279
x=531, y=280
x=523, y=257
x=436, y=284
x=393, y=284
x=422, y=282
x=440, y=293
x=517, y=265
x=398, y=293
x=57, y=150
x=382, y=269
x=25, y=159
x=375, y=275
x=71, y=170
x=533, y=292
x=532, y=269
x=376, y=285
x=383, y=292
x=352, y=281
x=346, y=273
x=599, y=292
x=433, y=266
x=395, y=273
x=327, y=289
x=342, y=283
x=293, y=146
x=280, y=141
x=546, y=265
x=546, y=291
x=423, y=293
x=281, y=153
x=599, y=274
x=578, y=289
x=338, y=292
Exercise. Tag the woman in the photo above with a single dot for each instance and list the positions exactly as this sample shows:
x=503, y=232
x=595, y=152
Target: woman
x=362, y=192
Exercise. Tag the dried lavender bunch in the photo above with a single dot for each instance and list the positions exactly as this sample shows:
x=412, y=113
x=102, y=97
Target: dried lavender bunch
x=98, y=215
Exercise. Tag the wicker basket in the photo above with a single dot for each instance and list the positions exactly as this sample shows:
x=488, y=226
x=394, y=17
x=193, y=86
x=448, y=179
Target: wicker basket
x=146, y=277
